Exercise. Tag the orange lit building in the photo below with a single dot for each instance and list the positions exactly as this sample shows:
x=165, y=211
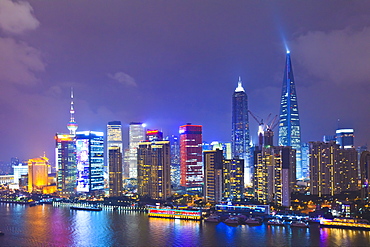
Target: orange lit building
x=37, y=173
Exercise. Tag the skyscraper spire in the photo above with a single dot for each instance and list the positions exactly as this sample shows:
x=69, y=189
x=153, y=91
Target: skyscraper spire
x=289, y=127
x=240, y=87
x=72, y=125
x=240, y=129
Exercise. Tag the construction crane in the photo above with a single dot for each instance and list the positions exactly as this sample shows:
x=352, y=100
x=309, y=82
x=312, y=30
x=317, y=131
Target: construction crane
x=265, y=131
x=261, y=127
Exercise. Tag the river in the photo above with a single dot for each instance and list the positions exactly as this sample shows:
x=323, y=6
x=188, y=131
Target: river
x=46, y=225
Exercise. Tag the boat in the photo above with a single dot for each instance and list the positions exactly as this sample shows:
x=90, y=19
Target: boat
x=232, y=220
x=253, y=221
x=346, y=223
x=87, y=208
x=213, y=218
x=175, y=213
x=275, y=222
x=299, y=223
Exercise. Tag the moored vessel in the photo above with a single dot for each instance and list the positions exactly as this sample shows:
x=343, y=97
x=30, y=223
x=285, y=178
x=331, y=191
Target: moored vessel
x=275, y=222
x=299, y=223
x=346, y=223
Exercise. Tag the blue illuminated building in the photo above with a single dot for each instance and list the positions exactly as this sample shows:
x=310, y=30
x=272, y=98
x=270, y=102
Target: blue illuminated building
x=240, y=129
x=289, y=126
x=90, y=161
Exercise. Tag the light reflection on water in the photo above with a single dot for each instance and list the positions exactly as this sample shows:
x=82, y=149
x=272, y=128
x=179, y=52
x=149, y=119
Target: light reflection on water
x=59, y=226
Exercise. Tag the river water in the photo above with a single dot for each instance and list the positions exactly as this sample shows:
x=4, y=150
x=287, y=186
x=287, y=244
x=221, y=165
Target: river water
x=45, y=225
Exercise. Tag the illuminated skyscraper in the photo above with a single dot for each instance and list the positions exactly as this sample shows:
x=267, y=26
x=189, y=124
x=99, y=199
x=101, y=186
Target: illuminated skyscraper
x=115, y=171
x=136, y=135
x=37, y=173
x=175, y=159
x=289, y=127
x=365, y=175
x=66, y=163
x=191, y=166
x=240, y=129
x=233, y=177
x=332, y=170
x=154, y=164
x=154, y=135
x=114, y=139
x=213, y=163
x=90, y=161
x=345, y=138
x=274, y=175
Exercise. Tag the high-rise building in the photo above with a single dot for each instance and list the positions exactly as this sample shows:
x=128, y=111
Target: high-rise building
x=37, y=173
x=65, y=157
x=274, y=175
x=240, y=129
x=332, y=170
x=153, y=135
x=136, y=135
x=305, y=160
x=289, y=126
x=345, y=138
x=18, y=171
x=213, y=163
x=90, y=161
x=153, y=170
x=175, y=159
x=233, y=179
x=191, y=165
x=66, y=163
x=114, y=139
x=365, y=175
x=115, y=171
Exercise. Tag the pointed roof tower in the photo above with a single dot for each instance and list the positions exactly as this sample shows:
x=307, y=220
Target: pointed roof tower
x=72, y=125
x=289, y=127
x=240, y=87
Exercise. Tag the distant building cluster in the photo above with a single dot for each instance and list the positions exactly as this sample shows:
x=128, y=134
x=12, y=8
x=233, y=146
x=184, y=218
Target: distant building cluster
x=156, y=167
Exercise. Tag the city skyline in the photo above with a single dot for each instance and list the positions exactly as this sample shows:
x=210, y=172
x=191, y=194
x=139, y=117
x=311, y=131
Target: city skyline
x=174, y=63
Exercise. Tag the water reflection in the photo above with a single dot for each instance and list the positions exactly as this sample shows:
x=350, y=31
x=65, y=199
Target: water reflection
x=59, y=226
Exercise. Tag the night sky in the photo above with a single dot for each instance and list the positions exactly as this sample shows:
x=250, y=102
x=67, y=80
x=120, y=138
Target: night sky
x=167, y=63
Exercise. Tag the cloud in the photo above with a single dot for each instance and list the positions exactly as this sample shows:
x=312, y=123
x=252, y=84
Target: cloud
x=123, y=78
x=341, y=56
x=17, y=17
x=19, y=61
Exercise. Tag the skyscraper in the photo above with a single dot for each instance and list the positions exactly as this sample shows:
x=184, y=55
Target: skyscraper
x=175, y=159
x=154, y=164
x=191, y=166
x=136, y=135
x=345, y=138
x=90, y=161
x=332, y=170
x=213, y=163
x=289, y=126
x=154, y=135
x=115, y=171
x=66, y=163
x=114, y=139
x=240, y=129
x=233, y=177
x=274, y=174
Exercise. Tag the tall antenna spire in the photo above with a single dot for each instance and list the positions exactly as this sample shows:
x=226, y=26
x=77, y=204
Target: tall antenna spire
x=72, y=125
x=240, y=86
